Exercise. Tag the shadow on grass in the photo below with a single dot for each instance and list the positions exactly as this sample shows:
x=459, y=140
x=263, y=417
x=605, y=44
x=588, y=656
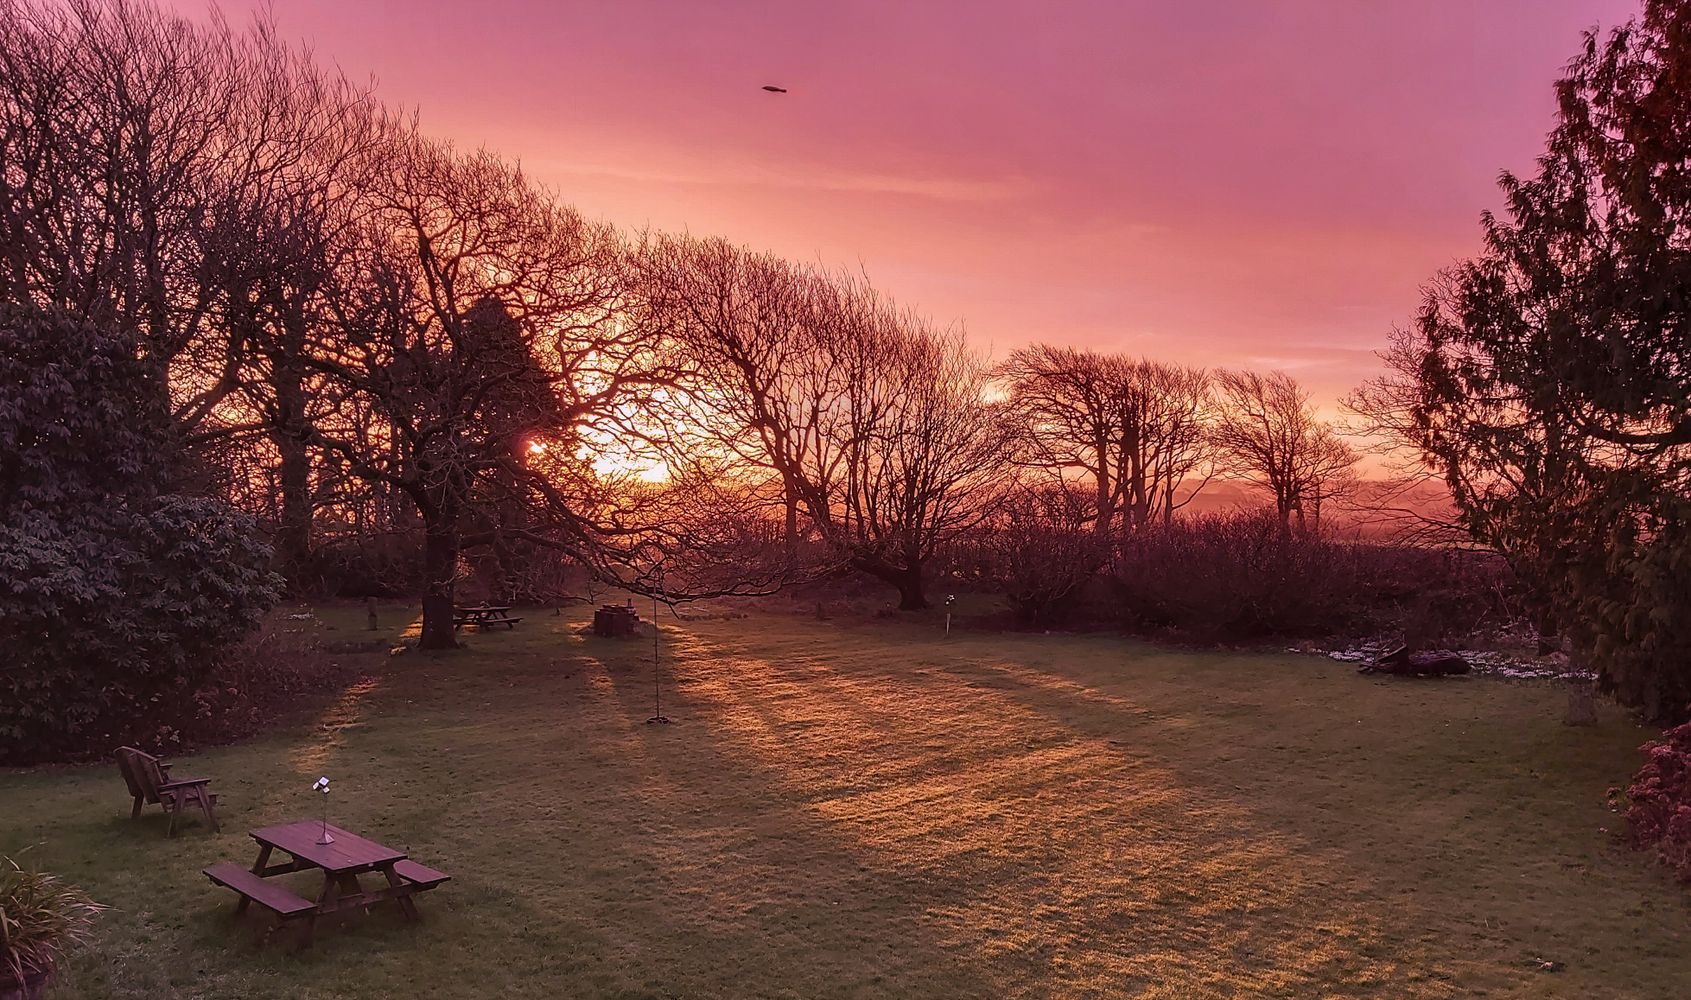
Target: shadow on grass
x=726, y=866
x=861, y=812
x=1063, y=856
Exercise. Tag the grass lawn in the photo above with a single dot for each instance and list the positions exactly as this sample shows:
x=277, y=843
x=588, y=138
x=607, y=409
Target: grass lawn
x=873, y=811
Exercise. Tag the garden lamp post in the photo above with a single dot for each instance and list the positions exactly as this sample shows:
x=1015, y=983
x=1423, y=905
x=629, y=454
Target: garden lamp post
x=322, y=785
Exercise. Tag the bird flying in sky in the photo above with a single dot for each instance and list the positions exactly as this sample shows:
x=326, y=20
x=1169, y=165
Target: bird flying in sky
x=774, y=89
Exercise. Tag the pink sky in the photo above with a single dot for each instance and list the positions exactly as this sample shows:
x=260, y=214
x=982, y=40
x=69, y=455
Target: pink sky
x=1220, y=182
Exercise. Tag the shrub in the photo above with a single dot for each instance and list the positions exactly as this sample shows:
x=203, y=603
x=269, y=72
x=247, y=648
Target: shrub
x=1234, y=576
x=275, y=670
x=116, y=596
x=1658, y=811
x=1434, y=596
x=356, y=566
x=1042, y=554
x=517, y=572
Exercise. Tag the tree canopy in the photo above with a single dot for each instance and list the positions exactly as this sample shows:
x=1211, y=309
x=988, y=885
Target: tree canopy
x=1549, y=378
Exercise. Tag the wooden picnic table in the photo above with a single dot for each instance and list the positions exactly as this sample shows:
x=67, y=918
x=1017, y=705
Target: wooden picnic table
x=341, y=863
x=484, y=616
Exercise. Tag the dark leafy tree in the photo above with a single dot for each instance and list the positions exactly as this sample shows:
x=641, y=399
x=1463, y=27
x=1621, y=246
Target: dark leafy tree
x=116, y=595
x=1549, y=379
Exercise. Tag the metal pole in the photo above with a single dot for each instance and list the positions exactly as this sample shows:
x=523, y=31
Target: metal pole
x=657, y=688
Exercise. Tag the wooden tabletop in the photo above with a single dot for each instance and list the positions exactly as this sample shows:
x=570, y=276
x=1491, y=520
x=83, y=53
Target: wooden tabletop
x=349, y=852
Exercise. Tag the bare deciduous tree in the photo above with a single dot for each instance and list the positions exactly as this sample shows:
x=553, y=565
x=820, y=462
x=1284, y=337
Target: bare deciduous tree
x=1268, y=434
x=176, y=179
x=474, y=316
x=1134, y=429
x=924, y=459
x=809, y=393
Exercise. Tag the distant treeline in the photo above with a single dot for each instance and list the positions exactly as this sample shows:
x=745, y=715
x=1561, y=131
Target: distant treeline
x=366, y=334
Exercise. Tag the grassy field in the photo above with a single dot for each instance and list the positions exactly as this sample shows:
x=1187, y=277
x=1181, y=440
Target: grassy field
x=869, y=810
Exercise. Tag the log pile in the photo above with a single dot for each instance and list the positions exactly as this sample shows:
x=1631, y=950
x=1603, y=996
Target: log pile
x=1401, y=662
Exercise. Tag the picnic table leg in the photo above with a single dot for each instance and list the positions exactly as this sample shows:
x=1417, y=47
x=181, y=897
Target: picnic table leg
x=262, y=930
x=325, y=900
x=331, y=892
x=257, y=869
x=407, y=905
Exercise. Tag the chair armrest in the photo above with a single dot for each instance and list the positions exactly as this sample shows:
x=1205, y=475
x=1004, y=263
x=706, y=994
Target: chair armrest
x=184, y=783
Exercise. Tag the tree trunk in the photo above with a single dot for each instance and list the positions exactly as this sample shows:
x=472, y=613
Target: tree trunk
x=907, y=578
x=910, y=596
x=1582, y=702
x=293, y=535
x=506, y=570
x=1549, y=636
x=440, y=567
x=1105, y=515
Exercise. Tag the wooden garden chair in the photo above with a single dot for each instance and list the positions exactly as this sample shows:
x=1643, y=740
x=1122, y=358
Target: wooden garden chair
x=149, y=781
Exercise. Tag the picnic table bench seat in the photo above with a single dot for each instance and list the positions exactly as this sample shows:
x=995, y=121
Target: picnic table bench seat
x=422, y=876
x=273, y=896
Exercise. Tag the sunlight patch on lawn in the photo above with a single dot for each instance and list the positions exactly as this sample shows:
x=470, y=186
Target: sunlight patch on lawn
x=1031, y=839
x=414, y=630
x=313, y=758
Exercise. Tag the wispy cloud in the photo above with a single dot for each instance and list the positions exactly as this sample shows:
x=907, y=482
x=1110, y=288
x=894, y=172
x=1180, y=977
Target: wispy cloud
x=1286, y=364
x=936, y=187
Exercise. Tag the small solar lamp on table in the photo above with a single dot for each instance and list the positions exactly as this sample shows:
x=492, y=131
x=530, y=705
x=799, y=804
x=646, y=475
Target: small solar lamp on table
x=322, y=785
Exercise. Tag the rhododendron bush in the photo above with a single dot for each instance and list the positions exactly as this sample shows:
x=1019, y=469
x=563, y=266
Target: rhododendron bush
x=118, y=595
x=1659, y=800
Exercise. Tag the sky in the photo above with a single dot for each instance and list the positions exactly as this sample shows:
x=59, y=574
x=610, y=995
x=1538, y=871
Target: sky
x=1257, y=183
